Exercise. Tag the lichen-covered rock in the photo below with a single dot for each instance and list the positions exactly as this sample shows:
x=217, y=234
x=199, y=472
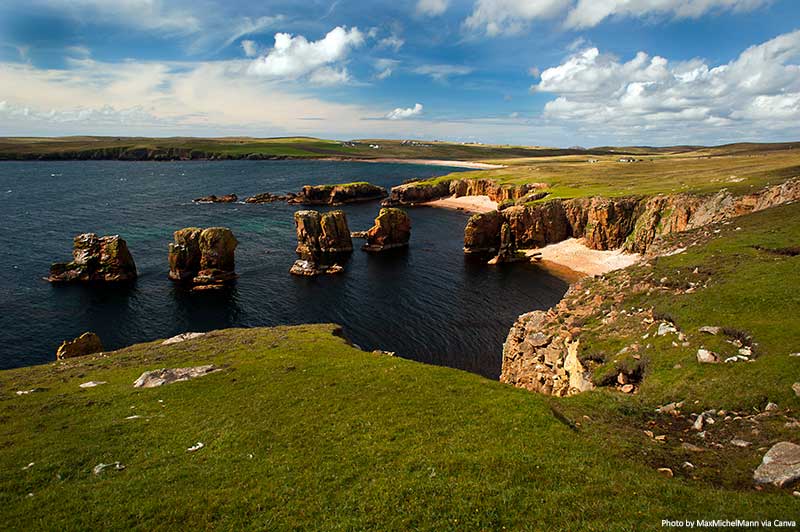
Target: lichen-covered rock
x=204, y=257
x=780, y=466
x=424, y=191
x=417, y=192
x=507, y=251
x=482, y=233
x=184, y=254
x=323, y=240
x=392, y=229
x=339, y=194
x=105, y=259
x=537, y=225
x=86, y=344
x=160, y=377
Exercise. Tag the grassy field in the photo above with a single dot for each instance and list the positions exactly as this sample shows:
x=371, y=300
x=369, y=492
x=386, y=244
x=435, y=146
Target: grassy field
x=739, y=168
x=303, y=431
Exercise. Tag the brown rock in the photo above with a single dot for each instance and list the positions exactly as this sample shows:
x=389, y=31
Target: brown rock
x=339, y=194
x=227, y=198
x=392, y=229
x=323, y=240
x=482, y=233
x=780, y=466
x=104, y=259
x=203, y=256
x=184, y=254
x=86, y=344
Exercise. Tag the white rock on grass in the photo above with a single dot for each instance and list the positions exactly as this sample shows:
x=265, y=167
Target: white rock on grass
x=99, y=468
x=796, y=388
x=708, y=329
x=182, y=338
x=780, y=466
x=196, y=447
x=91, y=384
x=704, y=356
x=160, y=377
x=666, y=328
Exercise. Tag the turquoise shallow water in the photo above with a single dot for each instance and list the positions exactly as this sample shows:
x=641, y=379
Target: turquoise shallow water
x=428, y=303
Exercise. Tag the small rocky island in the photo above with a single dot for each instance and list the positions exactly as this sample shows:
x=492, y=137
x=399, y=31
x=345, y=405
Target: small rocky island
x=339, y=194
x=227, y=198
x=323, y=241
x=203, y=258
x=96, y=259
x=392, y=230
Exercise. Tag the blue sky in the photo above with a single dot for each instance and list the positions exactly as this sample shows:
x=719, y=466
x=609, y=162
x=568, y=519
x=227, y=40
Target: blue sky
x=536, y=72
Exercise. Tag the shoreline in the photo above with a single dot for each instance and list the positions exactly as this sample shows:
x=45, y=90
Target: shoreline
x=429, y=162
x=571, y=259
x=473, y=204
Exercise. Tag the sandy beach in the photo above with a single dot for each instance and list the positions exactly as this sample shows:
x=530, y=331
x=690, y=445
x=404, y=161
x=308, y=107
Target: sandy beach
x=465, y=203
x=573, y=255
x=433, y=162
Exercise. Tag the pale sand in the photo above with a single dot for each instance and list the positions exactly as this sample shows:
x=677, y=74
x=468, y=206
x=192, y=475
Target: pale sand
x=574, y=255
x=433, y=162
x=465, y=203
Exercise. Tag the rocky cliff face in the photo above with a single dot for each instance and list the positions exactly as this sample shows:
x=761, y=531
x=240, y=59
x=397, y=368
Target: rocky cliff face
x=94, y=258
x=421, y=192
x=323, y=240
x=339, y=194
x=542, y=352
x=392, y=229
x=632, y=223
x=203, y=257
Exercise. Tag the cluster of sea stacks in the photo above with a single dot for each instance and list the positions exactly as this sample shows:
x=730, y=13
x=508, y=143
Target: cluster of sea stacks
x=324, y=240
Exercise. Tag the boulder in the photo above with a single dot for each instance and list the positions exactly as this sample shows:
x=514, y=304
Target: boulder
x=323, y=240
x=268, y=197
x=392, y=229
x=204, y=257
x=227, y=198
x=86, y=344
x=182, y=338
x=339, y=194
x=160, y=377
x=704, y=356
x=780, y=466
x=104, y=259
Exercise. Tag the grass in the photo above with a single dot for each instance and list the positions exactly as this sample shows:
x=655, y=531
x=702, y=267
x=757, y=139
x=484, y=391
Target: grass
x=701, y=171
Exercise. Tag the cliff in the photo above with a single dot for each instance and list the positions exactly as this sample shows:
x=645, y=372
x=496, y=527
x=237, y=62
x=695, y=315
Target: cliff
x=338, y=194
x=632, y=223
x=424, y=191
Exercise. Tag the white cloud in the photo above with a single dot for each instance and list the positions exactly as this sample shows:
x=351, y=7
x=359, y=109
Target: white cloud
x=759, y=90
x=250, y=48
x=385, y=67
x=509, y=16
x=401, y=114
x=442, y=72
x=495, y=17
x=294, y=57
x=432, y=8
x=392, y=41
x=248, y=26
x=143, y=14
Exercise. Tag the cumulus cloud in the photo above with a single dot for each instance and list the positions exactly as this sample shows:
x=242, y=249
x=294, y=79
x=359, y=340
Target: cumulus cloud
x=392, y=41
x=760, y=89
x=294, y=57
x=442, y=72
x=432, y=8
x=385, y=67
x=495, y=17
x=401, y=114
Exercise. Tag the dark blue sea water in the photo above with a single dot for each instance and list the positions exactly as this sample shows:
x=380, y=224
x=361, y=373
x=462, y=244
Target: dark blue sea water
x=428, y=304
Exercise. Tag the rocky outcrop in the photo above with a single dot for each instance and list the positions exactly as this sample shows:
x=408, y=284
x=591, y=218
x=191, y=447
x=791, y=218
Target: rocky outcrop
x=780, y=466
x=203, y=257
x=392, y=230
x=339, y=194
x=227, y=198
x=424, y=191
x=323, y=240
x=160, y=377
x=86, y=344
x=269, y=197
x=103, y=259
x=632, y=223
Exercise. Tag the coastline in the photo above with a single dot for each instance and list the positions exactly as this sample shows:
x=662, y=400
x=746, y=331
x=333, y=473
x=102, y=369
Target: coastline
x=429, y=162
x=473, y=204
x=571, y=259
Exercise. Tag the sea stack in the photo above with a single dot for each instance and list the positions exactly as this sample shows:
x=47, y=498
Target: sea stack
x=392, y=229
x=203, y=257
x=96, y=259
x=86, y=344
x=323, y=240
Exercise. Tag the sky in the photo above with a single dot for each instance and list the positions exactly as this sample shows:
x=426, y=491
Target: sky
x=530, y=72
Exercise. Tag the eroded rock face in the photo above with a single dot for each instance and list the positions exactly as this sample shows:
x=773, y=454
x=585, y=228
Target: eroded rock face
x=323, y=240
x=339, y=194
x=105, y=259
x=632, y=223
x=86, y=344
x=411, y=193
x=392, y=230
x=421, y=192
x=203, y=257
